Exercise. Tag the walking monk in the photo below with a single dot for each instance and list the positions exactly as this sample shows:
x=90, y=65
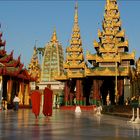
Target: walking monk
x=47, y=106
x=36, y=99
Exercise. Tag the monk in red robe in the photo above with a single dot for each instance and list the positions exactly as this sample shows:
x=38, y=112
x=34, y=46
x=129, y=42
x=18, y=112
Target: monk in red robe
x=47, y=106
x=36, y=99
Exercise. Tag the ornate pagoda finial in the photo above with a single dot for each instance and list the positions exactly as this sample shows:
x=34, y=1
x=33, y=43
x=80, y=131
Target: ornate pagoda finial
x=35, y=50
x=35, y=45
x=107, y=2
x=75, y=37
x=54, y=36
x=76, y=13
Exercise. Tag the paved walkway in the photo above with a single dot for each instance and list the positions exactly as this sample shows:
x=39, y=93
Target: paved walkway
x=65, y=125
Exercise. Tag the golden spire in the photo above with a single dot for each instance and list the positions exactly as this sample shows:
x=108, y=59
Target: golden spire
x=107, y=3
x=35, y=51
x=74, y=63
x=54, y=36
x=34, y=66
x=75, y=38
x=76, y=13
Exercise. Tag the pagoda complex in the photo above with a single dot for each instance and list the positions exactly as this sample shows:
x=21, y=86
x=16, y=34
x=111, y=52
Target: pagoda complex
x=74, y=67
x=111, y=65
x=111, y=62
x=14, y=79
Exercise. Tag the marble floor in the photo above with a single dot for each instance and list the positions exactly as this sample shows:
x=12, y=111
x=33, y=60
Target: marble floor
x=65, y=125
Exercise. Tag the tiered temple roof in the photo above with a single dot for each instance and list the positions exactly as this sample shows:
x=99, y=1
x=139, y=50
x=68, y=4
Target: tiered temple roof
x=74, y=65
x=34, y=66
x=10, y=66
x=112, y=48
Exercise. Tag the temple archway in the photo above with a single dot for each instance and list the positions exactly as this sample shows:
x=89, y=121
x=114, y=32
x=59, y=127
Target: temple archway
x=87, y=90
x=108, y=87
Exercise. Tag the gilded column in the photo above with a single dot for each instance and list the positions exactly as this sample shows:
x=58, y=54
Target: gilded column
x=26, y=95
x=9, y=90
x=21, y=92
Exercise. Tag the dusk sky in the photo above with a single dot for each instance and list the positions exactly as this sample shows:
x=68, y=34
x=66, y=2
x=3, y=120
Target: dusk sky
x=23, y=22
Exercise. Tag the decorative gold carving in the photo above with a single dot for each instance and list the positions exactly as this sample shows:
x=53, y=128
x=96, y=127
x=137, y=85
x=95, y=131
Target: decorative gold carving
x=54, y=37
x=75, y=57
x=74, y=49
x=117, y=24
x=123, y=44
x=76, y=42
x=99, y=33
x=95, y=44
x=117, y=15
x=61, y=77
x=111, y=6
x=91, y=57
x=106, y=72
x=108, y=58
x=121, y=34
x=128, y=56
x=77, y=74
x=108, y=32
x=74, y=65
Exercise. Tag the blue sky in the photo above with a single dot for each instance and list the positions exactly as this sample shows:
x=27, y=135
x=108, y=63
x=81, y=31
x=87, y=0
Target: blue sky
x=23, y=22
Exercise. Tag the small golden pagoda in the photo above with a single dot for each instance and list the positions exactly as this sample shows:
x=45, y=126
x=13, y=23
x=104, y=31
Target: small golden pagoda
x=74, y=66
x=34, y=66
x=111, y=62
x=52, y=63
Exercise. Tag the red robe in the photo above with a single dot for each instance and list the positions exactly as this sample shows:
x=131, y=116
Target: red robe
x=47, y=106
x=36, y=99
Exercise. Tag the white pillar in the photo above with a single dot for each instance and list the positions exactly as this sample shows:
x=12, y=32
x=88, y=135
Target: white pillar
x=78, y=109
x=133, y=115
x=137, y=120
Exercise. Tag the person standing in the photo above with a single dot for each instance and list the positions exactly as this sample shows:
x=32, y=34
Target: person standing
x=16, y=101
x=47, y=105
x=36, y=100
